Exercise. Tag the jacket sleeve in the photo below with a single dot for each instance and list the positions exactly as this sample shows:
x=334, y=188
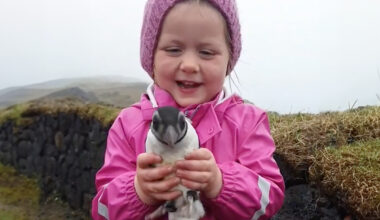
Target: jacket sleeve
x=253, y=187
x=116, y=197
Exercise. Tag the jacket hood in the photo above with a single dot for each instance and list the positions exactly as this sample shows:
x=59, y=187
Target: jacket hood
x=165, y=98
x=207, y=116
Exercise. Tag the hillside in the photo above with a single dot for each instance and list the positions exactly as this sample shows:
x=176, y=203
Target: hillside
x=72, y=92
x=113, y=90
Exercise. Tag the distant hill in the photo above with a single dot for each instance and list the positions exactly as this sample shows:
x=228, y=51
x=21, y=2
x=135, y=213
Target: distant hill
x=73, y=92
x=21, y=94
x=113, y=90
x=84, y=82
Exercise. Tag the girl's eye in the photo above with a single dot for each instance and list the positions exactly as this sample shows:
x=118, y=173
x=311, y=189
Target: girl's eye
x=206, y=53
x=173, y=50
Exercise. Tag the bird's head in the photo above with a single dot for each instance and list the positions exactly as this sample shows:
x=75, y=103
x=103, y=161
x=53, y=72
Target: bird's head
x=168, y=125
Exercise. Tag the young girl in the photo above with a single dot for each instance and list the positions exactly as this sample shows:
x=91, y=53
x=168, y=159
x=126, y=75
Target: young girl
x=189, y=47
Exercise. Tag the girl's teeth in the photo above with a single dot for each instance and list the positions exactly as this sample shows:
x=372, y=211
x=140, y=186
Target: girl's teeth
x=187, y=84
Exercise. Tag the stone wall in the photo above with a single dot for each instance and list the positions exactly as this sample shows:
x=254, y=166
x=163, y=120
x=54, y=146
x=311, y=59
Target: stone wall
x=64, y=151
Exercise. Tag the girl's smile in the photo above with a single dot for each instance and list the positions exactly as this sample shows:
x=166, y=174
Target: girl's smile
x=188, y=87
x=191, y=58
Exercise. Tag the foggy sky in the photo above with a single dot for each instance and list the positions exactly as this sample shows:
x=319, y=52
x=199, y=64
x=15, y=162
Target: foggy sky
x=307, y=56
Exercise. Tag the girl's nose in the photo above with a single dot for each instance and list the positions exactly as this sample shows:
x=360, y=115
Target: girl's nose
x=189, y=63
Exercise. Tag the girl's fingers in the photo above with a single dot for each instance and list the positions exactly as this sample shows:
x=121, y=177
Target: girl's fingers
x=199, y=154
x=162, y=186
x=195, y=176
x=193, y=185
x=156, y=173
x=145, y=160
x=195, y=165
x=170, y=195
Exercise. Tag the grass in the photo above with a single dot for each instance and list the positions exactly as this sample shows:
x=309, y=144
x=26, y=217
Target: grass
x=299, y=136
x=20, y=200
x=22, y=113
x=11, y=215
x=19, y=195
x=351, y=175
x=340, y=151
x=13, y=113
x=103, y=113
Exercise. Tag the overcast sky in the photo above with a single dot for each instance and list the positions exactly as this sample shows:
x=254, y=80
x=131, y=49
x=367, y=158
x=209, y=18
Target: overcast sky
x=298, y=56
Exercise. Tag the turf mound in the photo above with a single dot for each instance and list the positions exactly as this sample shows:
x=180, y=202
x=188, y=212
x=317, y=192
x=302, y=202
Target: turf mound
x=351, y=175
x=299, y=136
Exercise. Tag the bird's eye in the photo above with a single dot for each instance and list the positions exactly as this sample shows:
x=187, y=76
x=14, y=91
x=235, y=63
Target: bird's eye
x=182, y=123
x=155, y=123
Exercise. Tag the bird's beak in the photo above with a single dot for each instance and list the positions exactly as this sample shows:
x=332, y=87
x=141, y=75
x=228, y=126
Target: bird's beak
x=171, y=135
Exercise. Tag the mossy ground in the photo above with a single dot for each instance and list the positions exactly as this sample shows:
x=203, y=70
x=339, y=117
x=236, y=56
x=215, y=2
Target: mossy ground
x=20, y=200
x=13, y=113
x=19, y=195
x=22, y=113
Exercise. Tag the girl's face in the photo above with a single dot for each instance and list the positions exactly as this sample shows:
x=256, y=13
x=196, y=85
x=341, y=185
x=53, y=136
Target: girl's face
x=191, y=58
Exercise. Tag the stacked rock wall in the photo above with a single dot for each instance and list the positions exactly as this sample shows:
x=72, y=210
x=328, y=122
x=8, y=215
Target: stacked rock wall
x=64, y=151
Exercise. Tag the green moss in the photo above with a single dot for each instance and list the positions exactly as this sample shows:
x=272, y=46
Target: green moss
x=22, y=114
x=12, y=214
x=104, y=114
x=13, y=113
x=19, y=195
x=17, y=189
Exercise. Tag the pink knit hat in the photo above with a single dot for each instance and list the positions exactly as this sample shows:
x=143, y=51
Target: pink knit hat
x=156, y=10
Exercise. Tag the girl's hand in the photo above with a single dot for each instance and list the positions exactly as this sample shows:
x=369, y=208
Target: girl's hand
x=150, y=183
x=199, y=171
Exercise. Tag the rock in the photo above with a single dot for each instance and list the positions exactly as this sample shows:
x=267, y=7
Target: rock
x=75, y=198
x=5, y=146
x=84, y=160
x=50, y=150
x=84, y=182
x=87, y=200
x=30, y=169
x=21, y=165
x=95, y=131
x=38, y=164
x=58, y=140
x=78, y=143
x=50, y=166
x=36, y=148
x=24, y=149
x=26, y=135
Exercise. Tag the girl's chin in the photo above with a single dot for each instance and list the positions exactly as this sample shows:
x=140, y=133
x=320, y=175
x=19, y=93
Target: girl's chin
x=184, y=102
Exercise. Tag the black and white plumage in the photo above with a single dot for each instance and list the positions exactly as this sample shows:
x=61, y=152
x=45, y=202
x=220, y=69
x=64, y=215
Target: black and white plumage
x=172, y=136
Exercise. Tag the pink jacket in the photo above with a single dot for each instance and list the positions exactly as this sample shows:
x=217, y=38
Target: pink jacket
x=238, y=135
